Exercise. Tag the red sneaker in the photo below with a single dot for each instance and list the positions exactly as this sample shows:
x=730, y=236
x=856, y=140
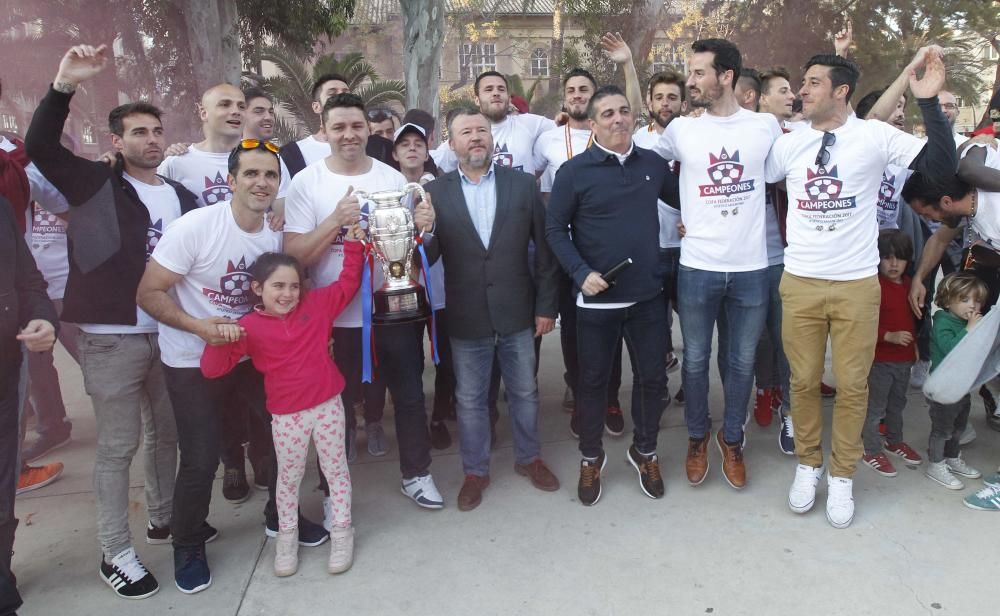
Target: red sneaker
x=881, y=427
x=904, y=452
x=762, y=409
x=826, y=391
x=880, y=464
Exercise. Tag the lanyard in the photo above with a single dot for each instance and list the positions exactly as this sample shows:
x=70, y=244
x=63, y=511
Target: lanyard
x=569, y=143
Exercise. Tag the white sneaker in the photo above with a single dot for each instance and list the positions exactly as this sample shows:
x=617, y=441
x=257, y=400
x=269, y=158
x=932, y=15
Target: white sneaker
x=423, y=491
x=802, y=494
x=286, y=553
x=968, y=435
x=839, y=501
x=939, y=472
x=328, y=514
x=341, y=550
x=959, y=467
x=918, y=374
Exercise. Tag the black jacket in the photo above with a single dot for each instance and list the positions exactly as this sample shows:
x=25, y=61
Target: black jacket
x=107, y=228
x=493, y=290
x=22, y=293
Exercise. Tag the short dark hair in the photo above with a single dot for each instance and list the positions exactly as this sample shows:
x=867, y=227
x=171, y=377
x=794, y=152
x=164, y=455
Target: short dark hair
x=868, y=101
x=324, y=78
x=255, y=92
x=421, y=118
x=267, y=263
x=895, y=243
x=670, y=77
x=600, y=93
x=773, y=73
x=378, y=114
x=842, y=71
x=751, y=78
x=579, y=72
x=464, y=110
x=930, y=189
x=727, y=56
x=484, y=75
x=343, y=100
x=237, y=153
x=116, y=118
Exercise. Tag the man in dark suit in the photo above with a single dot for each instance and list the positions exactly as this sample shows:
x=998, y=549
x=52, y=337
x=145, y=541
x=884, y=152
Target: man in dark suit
x=486, y=218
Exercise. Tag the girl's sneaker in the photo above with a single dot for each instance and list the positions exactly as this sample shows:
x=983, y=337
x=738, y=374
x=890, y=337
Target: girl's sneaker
x=941, y=473
x=959, y=467
x=987, y=499
x=341, y=549
x=286, y=553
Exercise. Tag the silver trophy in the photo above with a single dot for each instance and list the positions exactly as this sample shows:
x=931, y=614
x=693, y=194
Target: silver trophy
x=390, y=230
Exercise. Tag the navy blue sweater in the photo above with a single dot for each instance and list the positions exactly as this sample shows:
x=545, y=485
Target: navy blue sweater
x=602, y=212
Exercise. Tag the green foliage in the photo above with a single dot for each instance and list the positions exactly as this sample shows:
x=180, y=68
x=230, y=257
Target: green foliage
x=292, y=87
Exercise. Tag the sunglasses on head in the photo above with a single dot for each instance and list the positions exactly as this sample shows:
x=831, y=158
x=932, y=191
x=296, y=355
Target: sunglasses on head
x=257, y=144
x=823, y=156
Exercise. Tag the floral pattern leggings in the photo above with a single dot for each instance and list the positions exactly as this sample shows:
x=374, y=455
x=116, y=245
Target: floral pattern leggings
x=325, y=423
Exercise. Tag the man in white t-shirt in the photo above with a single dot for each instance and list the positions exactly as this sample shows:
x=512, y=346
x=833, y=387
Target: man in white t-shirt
x=723, y=265
x=118, y=213
x=198, y=277
x=514, y=134
x=203, y=169
x=321, y=205
x=833, y=171
x=665, y=100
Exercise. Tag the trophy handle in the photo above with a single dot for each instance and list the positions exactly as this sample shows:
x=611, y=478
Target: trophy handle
x=411, y=187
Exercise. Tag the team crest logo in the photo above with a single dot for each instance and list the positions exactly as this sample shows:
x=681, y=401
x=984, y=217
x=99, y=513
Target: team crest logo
x=216, y=190
x=234, y=287
x=503, y=157
x=726, y=173
x=887, y=193
x=153, y=235
x=45, y=221
x=823, y=189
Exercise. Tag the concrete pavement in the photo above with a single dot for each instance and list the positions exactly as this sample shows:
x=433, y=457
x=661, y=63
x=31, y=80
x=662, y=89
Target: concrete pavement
x=913, y=547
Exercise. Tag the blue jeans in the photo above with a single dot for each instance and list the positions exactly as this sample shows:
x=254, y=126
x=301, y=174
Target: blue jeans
x=743, y=298
x=472, y=359
x=772, y=368
x=644, y=327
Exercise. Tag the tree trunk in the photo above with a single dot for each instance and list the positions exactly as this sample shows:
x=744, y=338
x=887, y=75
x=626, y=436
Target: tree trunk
x=213, y=40
x=555, y=53
x=423, y=38
x=642, y=27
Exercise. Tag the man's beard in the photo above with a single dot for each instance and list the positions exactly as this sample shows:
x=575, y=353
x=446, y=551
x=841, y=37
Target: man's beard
x=661, y=121
x=578, y=116
x=494, y=116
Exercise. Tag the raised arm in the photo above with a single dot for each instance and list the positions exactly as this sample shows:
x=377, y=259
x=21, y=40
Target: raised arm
x=886, y=104
x=973, y=170
x=938, y=155
x=618, y=51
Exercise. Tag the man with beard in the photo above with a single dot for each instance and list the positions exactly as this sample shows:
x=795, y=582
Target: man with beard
x=723, y=264
x=665, y=101
x=119, y=345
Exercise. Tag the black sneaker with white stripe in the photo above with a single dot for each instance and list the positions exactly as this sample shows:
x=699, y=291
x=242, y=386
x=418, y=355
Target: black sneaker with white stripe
x=127, y=576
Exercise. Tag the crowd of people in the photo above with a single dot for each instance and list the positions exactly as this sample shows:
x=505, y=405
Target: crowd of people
x=217, y=295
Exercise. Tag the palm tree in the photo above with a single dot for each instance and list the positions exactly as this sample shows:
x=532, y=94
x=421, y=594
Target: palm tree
x=293, y=85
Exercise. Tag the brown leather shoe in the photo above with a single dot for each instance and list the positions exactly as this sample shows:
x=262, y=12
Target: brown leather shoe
x=732, y=462
x=471, y=493
x=697, y=460
x=540, y=475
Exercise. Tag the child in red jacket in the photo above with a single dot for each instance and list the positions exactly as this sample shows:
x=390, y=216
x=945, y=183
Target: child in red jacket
x=287, y=338
x=895, y=353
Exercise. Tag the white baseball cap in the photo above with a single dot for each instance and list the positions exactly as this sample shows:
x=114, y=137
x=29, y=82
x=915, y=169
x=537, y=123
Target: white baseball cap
x=408, y=127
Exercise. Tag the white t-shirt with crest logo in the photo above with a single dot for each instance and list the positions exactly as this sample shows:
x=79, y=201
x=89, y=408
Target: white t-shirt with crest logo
x=722, y=189
x=513, y=143
x=214, y=256
x=832, y=227
x=206, y=175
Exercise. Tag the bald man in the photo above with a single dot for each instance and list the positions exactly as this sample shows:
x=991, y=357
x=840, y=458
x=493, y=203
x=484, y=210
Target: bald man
x=202, y=168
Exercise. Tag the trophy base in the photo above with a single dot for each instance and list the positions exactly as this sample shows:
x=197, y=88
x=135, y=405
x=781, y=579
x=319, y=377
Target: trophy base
x=398, y=306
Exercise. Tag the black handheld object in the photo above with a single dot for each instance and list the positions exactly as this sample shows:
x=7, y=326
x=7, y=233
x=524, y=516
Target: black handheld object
x=611, y=274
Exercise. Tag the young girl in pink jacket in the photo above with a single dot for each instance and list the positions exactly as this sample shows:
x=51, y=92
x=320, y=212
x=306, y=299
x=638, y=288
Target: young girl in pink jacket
x=287, y=337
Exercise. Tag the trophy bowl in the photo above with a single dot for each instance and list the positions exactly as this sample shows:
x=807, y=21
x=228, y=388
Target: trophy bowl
x=401, y=299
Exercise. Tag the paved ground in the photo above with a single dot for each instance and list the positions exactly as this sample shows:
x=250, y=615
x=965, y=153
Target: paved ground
x=913, y=547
